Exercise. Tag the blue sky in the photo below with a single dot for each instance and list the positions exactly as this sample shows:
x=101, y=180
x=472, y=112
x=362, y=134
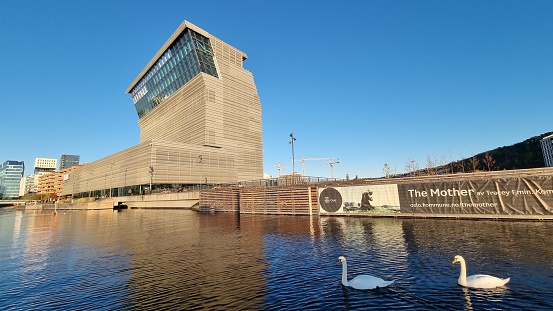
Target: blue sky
x=365, y=82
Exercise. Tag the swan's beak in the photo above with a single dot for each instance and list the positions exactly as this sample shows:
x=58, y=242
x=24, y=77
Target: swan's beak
x=337, y=262
x=454, y=261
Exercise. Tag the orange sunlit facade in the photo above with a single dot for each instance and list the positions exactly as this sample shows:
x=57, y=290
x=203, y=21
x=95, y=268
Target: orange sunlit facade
x=52, y=183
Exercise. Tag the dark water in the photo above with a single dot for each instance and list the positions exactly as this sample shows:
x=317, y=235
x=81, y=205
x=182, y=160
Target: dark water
x=183, y=260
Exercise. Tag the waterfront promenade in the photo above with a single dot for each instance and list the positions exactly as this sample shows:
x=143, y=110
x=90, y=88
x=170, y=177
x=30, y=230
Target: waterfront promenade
x=173, y=200
x=190, y=202
x=512, y=195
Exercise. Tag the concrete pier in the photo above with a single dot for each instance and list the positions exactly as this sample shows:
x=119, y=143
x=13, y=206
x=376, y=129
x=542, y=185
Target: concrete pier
x=184, y=200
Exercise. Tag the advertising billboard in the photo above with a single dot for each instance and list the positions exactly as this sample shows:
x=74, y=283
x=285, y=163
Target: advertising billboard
x=531, y=195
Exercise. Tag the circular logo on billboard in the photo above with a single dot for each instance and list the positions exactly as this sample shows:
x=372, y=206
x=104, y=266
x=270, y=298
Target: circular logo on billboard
x=330, y=200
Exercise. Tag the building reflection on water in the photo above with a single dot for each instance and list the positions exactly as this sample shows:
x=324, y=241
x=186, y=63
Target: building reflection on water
x=182, y=260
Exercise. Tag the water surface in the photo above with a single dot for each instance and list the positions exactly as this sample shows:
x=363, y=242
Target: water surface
x=184, y=260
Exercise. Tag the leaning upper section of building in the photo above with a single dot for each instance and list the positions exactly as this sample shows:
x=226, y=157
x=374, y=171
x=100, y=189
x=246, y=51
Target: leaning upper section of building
x=187, y=53
x=196, y=91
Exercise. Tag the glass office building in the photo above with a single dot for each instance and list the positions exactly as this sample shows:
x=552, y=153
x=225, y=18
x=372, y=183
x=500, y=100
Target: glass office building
x=11, y=173
x=69, y=160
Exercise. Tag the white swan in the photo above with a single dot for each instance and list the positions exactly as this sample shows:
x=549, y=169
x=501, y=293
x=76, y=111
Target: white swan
x=477, y=280
x=360, y=281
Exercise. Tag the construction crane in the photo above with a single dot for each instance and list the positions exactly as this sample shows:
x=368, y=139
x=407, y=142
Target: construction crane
x=309, y=159
x=331, y=164
x=278, y=167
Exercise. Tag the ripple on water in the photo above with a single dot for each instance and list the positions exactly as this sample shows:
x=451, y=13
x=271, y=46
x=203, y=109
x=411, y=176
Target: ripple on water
x=182, y=260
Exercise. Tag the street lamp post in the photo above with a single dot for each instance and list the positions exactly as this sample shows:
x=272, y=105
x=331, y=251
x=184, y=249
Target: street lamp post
x=151, y=177
x=200, y=171
x=111, y=181
x=292, y=139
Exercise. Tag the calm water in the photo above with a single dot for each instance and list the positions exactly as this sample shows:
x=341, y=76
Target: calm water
x=183, y=260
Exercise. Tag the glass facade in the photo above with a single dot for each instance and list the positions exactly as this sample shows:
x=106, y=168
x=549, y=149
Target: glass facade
x=68, y=160
x=547, y=150
x=189, y=55
x=11, y=173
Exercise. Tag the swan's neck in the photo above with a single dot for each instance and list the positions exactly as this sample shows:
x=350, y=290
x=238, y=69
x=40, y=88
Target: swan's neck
x=463, y=275
x=345, y=273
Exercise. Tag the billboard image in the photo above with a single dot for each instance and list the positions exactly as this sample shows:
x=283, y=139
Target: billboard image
x=355, y=199
x=532, y=195
x=522, y=196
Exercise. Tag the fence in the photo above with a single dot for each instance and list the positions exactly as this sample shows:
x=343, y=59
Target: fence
x=531, y=193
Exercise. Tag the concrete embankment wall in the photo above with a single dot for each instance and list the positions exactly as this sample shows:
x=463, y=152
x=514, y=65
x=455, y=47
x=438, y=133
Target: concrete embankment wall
x=95, y=205
x=178, y=200
x=184, y=200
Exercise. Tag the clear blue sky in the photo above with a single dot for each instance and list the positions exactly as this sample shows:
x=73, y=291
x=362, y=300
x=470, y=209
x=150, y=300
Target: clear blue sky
x=365, y=82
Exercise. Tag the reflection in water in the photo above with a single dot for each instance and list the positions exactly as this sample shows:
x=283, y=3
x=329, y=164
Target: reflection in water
x=346, y=303
x=183, y=260
x=204, y=261
x=466, y=295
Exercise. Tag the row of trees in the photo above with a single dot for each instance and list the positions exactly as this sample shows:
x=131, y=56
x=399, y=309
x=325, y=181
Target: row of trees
x=434, y=167
x=523, y=155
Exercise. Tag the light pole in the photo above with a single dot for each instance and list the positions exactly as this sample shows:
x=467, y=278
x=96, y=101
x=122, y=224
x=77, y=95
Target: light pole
x=200, y=171
x=89, y=192
x=111, y=181
x=292, y=139
x=151, y=177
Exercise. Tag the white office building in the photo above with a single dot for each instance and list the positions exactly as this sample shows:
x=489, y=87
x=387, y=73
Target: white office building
x=45, y=165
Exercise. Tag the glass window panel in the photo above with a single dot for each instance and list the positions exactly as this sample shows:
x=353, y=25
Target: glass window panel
x=188, y=56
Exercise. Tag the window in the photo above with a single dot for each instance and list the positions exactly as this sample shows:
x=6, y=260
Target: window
x=189, y=55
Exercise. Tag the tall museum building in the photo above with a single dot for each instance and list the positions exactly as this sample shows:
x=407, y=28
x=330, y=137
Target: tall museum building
x=200, y=122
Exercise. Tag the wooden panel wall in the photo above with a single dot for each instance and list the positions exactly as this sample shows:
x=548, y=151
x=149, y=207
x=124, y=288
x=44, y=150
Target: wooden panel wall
x=220, y=200
x=288, y=200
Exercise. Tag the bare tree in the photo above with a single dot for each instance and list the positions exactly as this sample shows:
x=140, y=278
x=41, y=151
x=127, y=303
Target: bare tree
x=460, y=166
x=408, y=166
x=430, y=165
x=474, y=162
x=441, y=166
x=489, y=161
x=387, y=170
x=411, y=166
x=451, y=164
